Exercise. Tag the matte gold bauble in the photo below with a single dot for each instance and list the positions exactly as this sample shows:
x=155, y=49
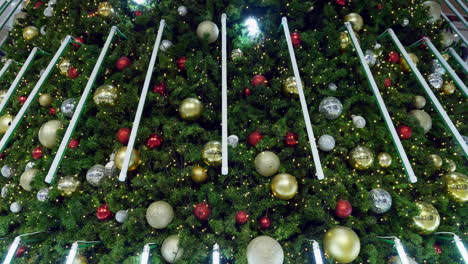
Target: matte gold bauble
x=267, y=163
x=284, y=186
x=5, y=122
x=68, y=185
x=385, y=160
x=2, y=95
x=436, y=160
x=64, y=65
x=356, y=20
x=404, y=65
x=199, y=174
x=80, y=259
x=424, y=119
x=159, y=214
x=106, y=94
x=212, y=154
x=419, y=102
x=361, y=158
x=448, y=88
x=27, y=177
x=171, y=250
x=290, y=86
x=191, y=109
x=105, y=9
x=45, y=99
x=48, y=133
x=457, y=186
x=134, y=159
x=342, y=244
x=428, y=219
x=30, y=32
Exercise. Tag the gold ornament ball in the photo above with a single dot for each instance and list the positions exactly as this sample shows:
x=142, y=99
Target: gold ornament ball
x=419, y=102
x=105, y=9
x=2, y=94
x=361, y=158
x=212, y=153
x=191, y=109
x=68, y=185
x=80, y=259
x=290, y=86
x=236, y=53
x=267, y=163
x=284, y=186
x=5, y=122
x=106, y=94
x=451, y=165
x=45, y=99
x=64, y=65
x=134, y=159
x=436, y=160
x=448, y=88
x=356, y=20
x=344, y=40
x=48, y=133
x=397, y=260
x=30, y=32
x=27, y=177
x=404, y=65
x=199, y=174
x=428, y=219
x=457, y=186
x=385, y=160
x=342, y=244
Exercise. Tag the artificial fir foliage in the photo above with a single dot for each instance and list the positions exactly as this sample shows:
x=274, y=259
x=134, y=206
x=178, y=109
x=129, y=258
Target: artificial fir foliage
x=190, y=68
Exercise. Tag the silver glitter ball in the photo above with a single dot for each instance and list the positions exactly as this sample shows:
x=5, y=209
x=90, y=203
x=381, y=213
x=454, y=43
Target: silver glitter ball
x=359, y=121
x=110, y=169
x=121, y=216
x=326, y=143
x=236, y=53
x=332, y=87
x=182, y=10
x=68, y=107
x=435, y=80
x=405, y=22
x=233, y=141
x=15, y=207
x=43, y=195
x=370, y=57
x=43, y=30
x=95, y=174
x=49, y=11
x=330, y=107
x=381, y=201
x=165, y=45
x=7, y=171
x=29, y=166
x=4, y=192
x=437, y=67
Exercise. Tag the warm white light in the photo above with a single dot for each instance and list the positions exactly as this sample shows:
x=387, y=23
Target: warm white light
x=216, y=255
x=252, y=27
x=140, y=2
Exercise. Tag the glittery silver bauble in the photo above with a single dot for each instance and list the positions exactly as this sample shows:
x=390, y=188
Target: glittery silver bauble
x=358, y=121
x=7, y=171
x=43, y=30
x=419, y=102
x=165, y=45
x=331, y=108
x=49, y=11
x=95, y=174
x=15, y=207
x=370, y=57
x=68, y=107
x=435, y=80
x=110, y=169
x=121, y=216
x=4, y=192
x=326, y=143
x=332, y=87
x=233, y=141
x=182, y=10
x=381, y=201
x=405, y=22
x=437, y=67
x=43, y=194
x=236, y=53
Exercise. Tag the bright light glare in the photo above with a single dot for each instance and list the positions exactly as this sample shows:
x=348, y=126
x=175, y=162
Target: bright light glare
x=252, y=27
x=140, y=2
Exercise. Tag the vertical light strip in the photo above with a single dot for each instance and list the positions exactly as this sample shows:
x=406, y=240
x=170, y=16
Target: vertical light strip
x=455, y=11
x=5, y=68
x=461, y=248
x=401, y=251
x=224, y=99
x=10, y=14
x=317, y=252
x=146, y=253
x=459, y=60
x=12, y=250
x=383, y=109
x=72, y=254
x=459, y=33
x=216, y=256
x=305, y=108
x=33, y=94
x=141, y=103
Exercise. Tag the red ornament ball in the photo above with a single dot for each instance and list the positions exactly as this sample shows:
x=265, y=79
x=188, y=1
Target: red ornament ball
x=74, y=143
x=154, y=141
x=181, y=63
x=404, y=132
x=202, y=211
x=379, y=6
x=138, y=13
x=37, y=153
x=22, y=99
x=255, y=137
x=73, y=73
x=296, y=39
x=242, y=217
x=258, y=80
x=79, y=40
x=160, y=89
x=340, y=2
x=38, y=4
x=123, y=63
x=123, y=135
x=247, y=91
x=291, y=139
x=343, y=209
x=103, y=212
x=437, y=249
x=52, y=111
x=264, y=222
x=388, y=82
x=393, y=57
x=2, y=155
x=20, y=252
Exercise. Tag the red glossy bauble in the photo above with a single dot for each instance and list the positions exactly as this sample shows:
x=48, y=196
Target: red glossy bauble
x=404, y=132
x=38, y=4
x=291, y=139
x=22, y=99
x=73, y=73
x=343, y=209
x=123, y=135
x=264, y=222
x=437, y=249
x=296, y=39
x=154, y=141
x=202, y=211
x=255, y=137
x=393, y=57
x=247, y=91
x=20, y=252
x=138, y=13
x=52, y=111
x=160, y=88
x=103, y=212
x=242, y=217
x=123, y=63
x=79, y=40
x=37, y=153
x=2, y=155
x=74, y=143
x=379, y=6
x=181, y=63
x=340, y=2
x=258, y=80
x=388, y=82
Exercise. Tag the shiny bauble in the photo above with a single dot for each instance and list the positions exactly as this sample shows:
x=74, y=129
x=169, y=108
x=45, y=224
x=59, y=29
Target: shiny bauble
x=290, y=86
x=424, y=119
x=154, y=141
x=123, y=63
x=134, y=159
x=356, y=20
x=428, y=219
x=419, y=102
x=434, y=12
x=191, y=109
x=7, y=171
x=435, y=80
x=182, y=10
x=254, y=138
x=103, y=212
x=45, y=100
x=64, y=65
x=370, y=57
x=212, y=154
x=332, y=87
x=457, y=186
x=233, y=141
x=48, y=133
x=30, y=32
x=361, y=158
x=165, y=45
x=22, y=99
x=358, y=121
x=343, y=209
x=123, y=135
x=43, y=195
x=159, y=214
x=68, y=185
x=342, y=244
x=37, y=153
x=199, y=174
x=48, y=11
x=345, y=40
x=5, y=191
x=326, y=143
x=397, y=260
x=259, y=80
x=436, y=161
x=405, y=66
x=106, y=94
x=202, y=211
x=180, y=62
x=385, y=159
x=330, y=107
x=68, y=107
x=242, y=217
x=236, y=53
x=2, y=95
x=267, y=163
x=105, y=9
x=73, y=73
x=5, y=122
x=264, y=250
x=26, y=178
x=264, y=222
x=291, y=139
x=451, y=165
x=121, y=216
x=404, y=131
x=284, y=186
x=447, y=39
x=381, y=201
x=110, y=169
x=448, y=88
x=208, y=30
x=170, y=249
x=437, y=68
x=80, y=259
x=95, y=174
x=15, y=207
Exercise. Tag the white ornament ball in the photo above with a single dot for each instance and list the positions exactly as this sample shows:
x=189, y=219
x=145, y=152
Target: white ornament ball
x=267, y=163
x=43, y=194
x=121, y=216
x=49, y=12
x=233, y=141
x=159, y=214
x=170, y=249
x=29, y=166
x=264, y=250
x=424, y=119
x=165, y=45
x=43, y=30
x=15, y=207
x=26, y=179
x=208, y=28
x=68, y=107
x=326, y=143
x=182, y=10
x=7, y=171
x=48, y=133
x=4, y=192
x=332, y=87
x=330, y=107
x=95, y=174
x=419, y=102
x=359, y=121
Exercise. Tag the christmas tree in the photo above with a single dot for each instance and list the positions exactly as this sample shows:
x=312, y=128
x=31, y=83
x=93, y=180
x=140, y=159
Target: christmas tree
x=301, y=124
